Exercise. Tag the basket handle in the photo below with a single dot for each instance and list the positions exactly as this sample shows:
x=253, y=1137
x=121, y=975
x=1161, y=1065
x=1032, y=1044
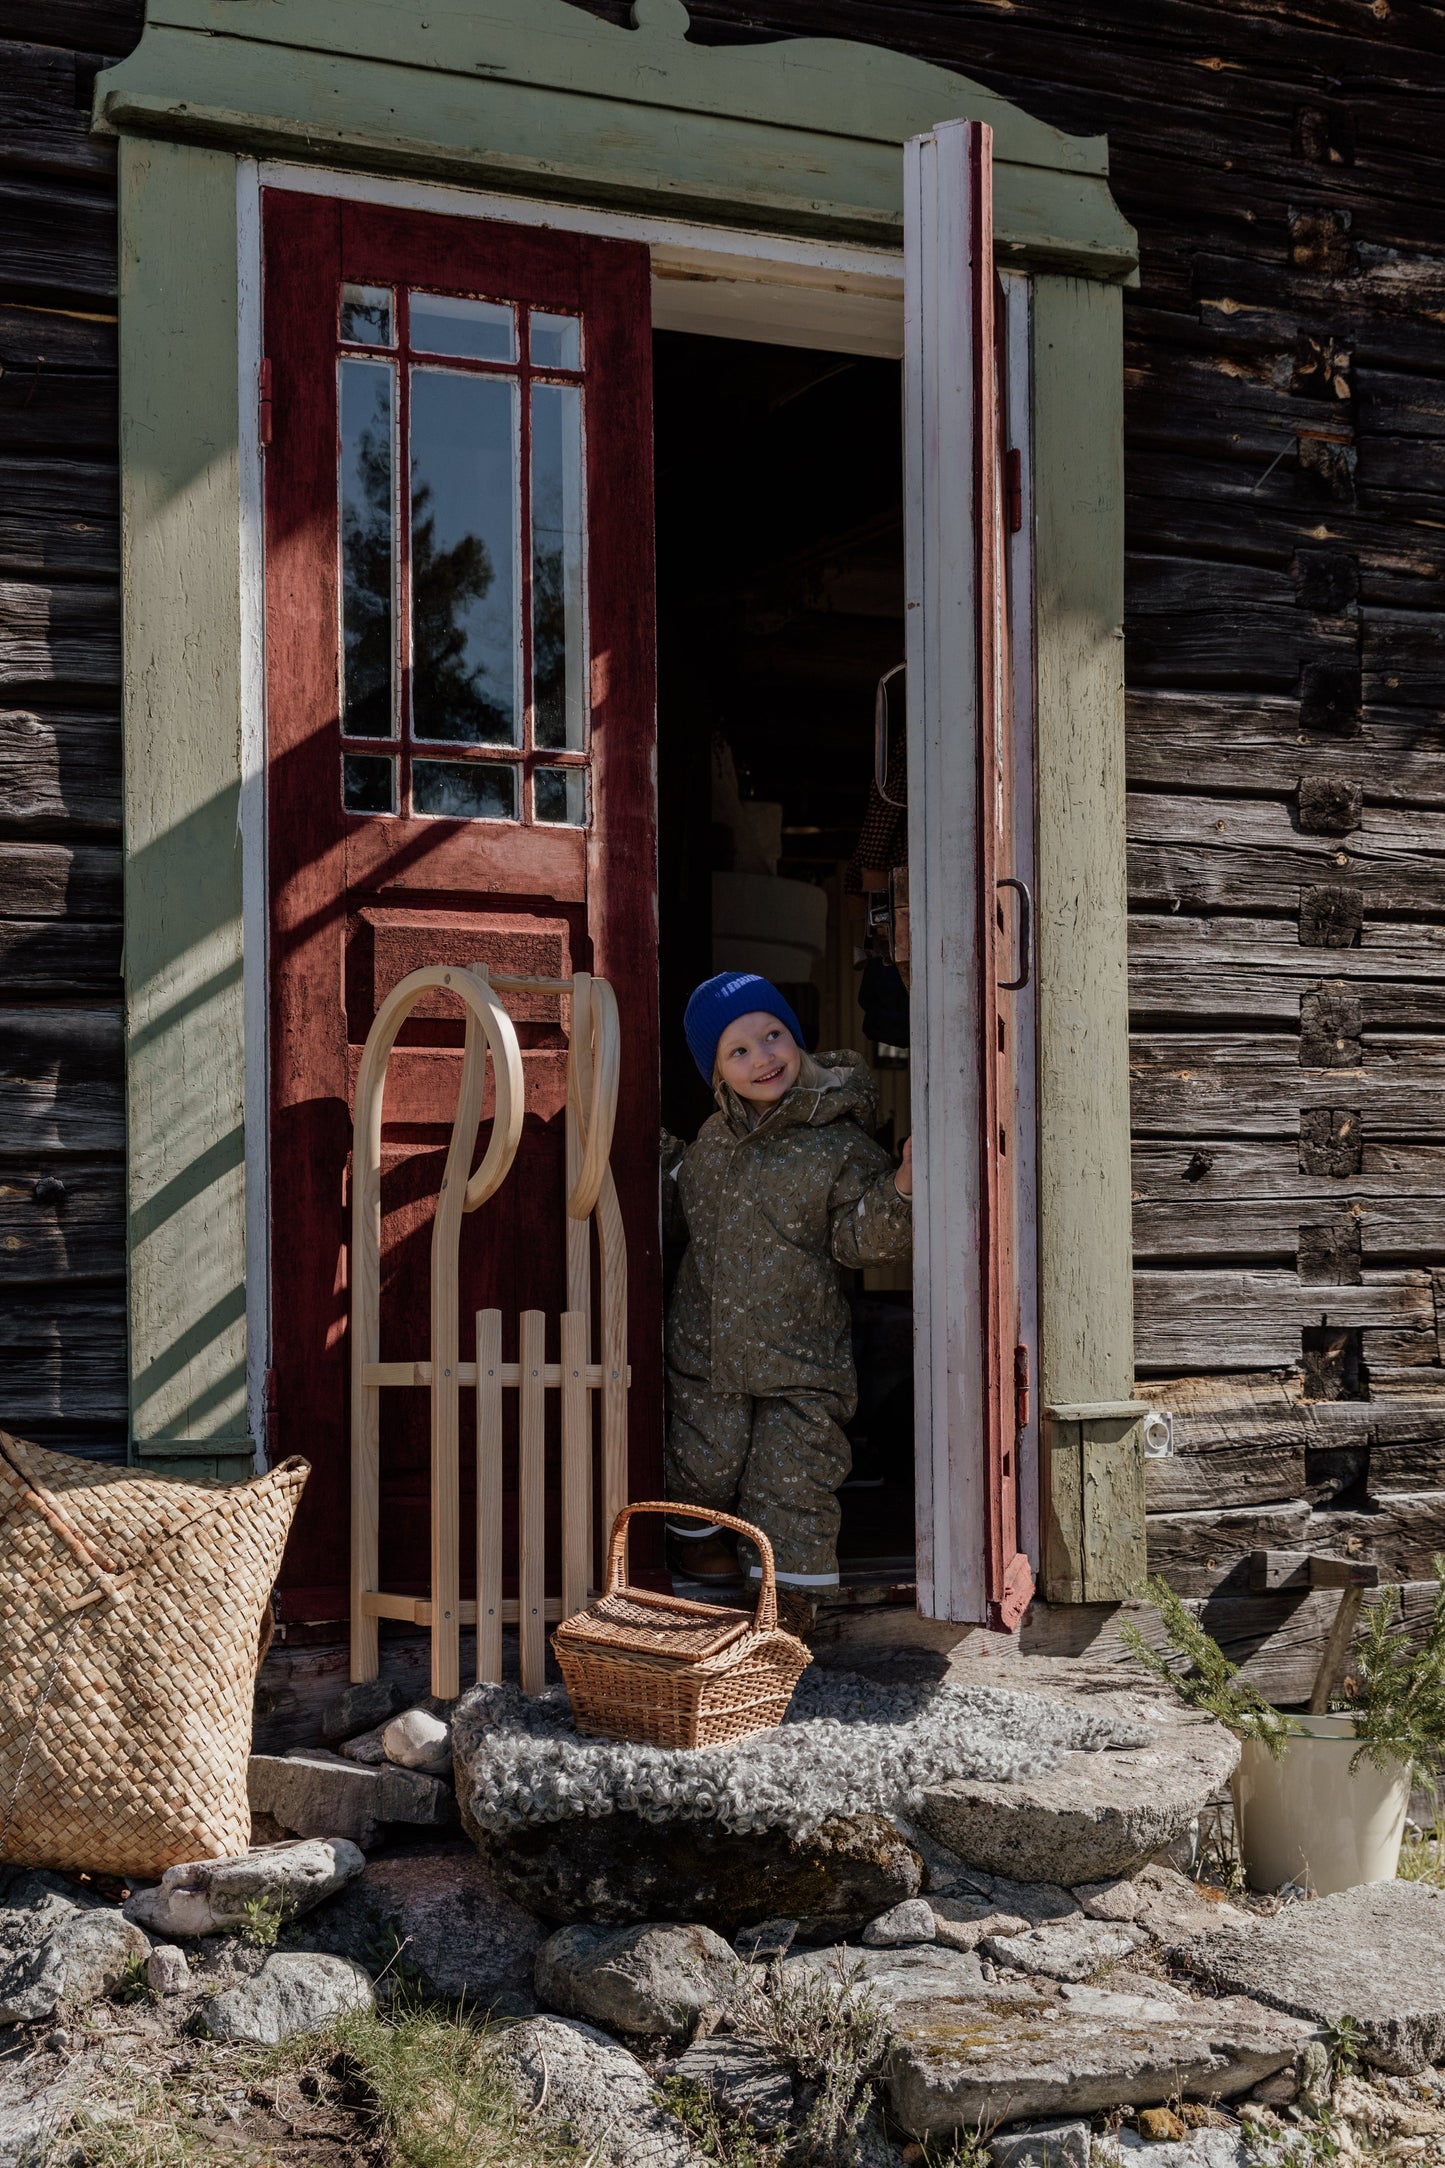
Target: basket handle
x=766, y=1616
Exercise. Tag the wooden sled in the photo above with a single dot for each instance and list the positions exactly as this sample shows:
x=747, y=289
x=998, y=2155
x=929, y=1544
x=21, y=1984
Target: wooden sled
x=593, y=1062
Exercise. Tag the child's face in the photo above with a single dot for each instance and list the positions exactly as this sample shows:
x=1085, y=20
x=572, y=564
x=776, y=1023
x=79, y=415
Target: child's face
x=758, y=1057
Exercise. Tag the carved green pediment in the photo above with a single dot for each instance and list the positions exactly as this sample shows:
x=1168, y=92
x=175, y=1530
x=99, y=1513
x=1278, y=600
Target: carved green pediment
x=539, y=97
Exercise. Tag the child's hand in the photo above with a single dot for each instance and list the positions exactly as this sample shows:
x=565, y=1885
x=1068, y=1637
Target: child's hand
x=903, y=1179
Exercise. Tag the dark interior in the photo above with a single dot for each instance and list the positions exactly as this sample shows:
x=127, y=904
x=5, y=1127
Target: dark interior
x=780, y=604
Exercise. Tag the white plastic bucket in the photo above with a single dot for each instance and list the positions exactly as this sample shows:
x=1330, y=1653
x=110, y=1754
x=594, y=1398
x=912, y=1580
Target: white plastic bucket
x=1305, y=1819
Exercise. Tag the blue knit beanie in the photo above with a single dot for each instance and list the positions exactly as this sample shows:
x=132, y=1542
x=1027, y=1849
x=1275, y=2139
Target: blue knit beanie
x=719, y=1001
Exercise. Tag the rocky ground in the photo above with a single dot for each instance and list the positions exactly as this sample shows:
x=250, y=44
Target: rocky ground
x=370, y=1986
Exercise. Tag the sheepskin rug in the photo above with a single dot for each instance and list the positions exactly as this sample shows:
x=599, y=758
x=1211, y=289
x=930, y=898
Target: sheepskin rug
x=846, y=1746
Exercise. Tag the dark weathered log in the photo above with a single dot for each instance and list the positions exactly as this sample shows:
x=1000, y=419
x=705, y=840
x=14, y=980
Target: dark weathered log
x=1229, y=741
x=1201, y=1553
x=90, y=26
x=1243, y=855
x=47, y=112
x=59, y=880
x=1233, y=1169
x=63, y=1220
x=57, y=239
x=59, y=772
x=60, y=1081
x=1414, y=1467
x=1219, y=1084
x=63, y=1359
x=49, y=956
x=62, y=635
x=1230, y=1320
x=58, y=389
x=1237, y=1475
x=1208, y=1226
x=59, y=516
x=1227, y=967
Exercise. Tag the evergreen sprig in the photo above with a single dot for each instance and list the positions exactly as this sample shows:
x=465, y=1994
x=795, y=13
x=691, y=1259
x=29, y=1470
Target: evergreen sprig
x=1196, y=1668
x=1396, y=1691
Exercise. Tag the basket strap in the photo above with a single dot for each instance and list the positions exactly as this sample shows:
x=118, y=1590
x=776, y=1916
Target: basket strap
x=111, y=1582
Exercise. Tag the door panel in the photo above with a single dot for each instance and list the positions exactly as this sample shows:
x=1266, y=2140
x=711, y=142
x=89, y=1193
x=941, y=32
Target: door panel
x=964, y=946
x=460, y=717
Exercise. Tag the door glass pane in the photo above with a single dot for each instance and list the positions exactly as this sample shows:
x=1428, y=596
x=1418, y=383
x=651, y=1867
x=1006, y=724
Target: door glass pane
x=366, y=317
x=472, y=330
x=559, y=710
x=368, y=548
x=560, y=795
x=465, y=590
x=368, y=782
x=468, y=790
x=556, y=341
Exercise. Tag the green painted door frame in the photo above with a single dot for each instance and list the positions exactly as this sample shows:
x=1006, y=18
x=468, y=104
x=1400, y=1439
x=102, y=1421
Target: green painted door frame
x=538, y=99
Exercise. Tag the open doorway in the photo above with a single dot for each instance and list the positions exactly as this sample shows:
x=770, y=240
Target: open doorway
x=779, y=477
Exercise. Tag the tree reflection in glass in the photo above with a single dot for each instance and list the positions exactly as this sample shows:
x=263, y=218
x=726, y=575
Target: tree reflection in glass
x=368, y=549
x=464, y=582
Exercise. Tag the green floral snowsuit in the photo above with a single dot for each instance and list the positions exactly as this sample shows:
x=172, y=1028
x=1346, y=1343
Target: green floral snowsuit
x=759, y=1348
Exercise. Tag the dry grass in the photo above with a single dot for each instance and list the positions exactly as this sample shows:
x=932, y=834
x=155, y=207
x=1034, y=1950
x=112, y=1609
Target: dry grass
x=1422, y=1858
x=415, y=2089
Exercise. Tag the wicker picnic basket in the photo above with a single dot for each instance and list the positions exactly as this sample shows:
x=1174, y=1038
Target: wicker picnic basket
x=132, y=1610
x=667, y=1672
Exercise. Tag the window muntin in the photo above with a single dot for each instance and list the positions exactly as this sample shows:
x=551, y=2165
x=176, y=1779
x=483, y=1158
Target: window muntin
x=463, y=608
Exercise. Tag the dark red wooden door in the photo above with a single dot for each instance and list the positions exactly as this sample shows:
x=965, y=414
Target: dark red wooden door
x=460, y=715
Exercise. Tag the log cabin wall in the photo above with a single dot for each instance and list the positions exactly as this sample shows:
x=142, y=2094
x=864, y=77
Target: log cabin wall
x=62, y=1117
x=1286, y=471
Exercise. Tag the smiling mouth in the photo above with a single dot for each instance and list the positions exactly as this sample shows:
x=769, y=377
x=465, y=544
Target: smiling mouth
x=770, y=1077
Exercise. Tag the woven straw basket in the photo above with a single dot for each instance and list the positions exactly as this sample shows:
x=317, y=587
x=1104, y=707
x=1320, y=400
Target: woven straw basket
x=131, y=1614
x=666, y=1672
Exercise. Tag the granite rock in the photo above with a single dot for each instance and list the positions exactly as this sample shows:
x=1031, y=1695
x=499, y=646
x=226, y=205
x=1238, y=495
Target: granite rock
x=1096, y=1816
x=58, y=1945
x=1376, y=1954
x=744, y=2078
x=294, y=1992
x=362, y=1707
x=167, y=1971
x=956, y=2062
x=642, y=1981
x=437, y=1916
x=621, y=1869
x=1041, y=2145
x=912, y=1921
x=1201, y=2149
x=593, y=2094
x=1064, y=1949
x=961, y=1924
x=1166, y=1903
x=418, y=1740
x=218, y=1896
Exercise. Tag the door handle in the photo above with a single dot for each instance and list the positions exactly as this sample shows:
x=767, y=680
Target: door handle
x=1026, y=935
x=881, y=750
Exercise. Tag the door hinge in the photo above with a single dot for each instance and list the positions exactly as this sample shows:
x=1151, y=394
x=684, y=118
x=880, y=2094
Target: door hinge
x=1013, y=488
x=264, y=391
x=1021, y=1388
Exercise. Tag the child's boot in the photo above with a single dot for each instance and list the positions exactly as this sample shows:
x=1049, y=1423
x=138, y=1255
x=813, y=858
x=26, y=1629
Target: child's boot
x=708, y=1557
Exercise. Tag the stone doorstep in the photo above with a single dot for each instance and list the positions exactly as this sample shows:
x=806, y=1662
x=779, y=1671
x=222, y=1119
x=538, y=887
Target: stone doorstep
x=313, y=1793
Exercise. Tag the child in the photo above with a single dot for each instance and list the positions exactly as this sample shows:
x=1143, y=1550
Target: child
x=783, y=1186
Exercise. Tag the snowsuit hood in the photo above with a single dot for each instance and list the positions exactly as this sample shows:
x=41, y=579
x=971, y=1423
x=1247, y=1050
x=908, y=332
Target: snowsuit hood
x=771, y=1212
